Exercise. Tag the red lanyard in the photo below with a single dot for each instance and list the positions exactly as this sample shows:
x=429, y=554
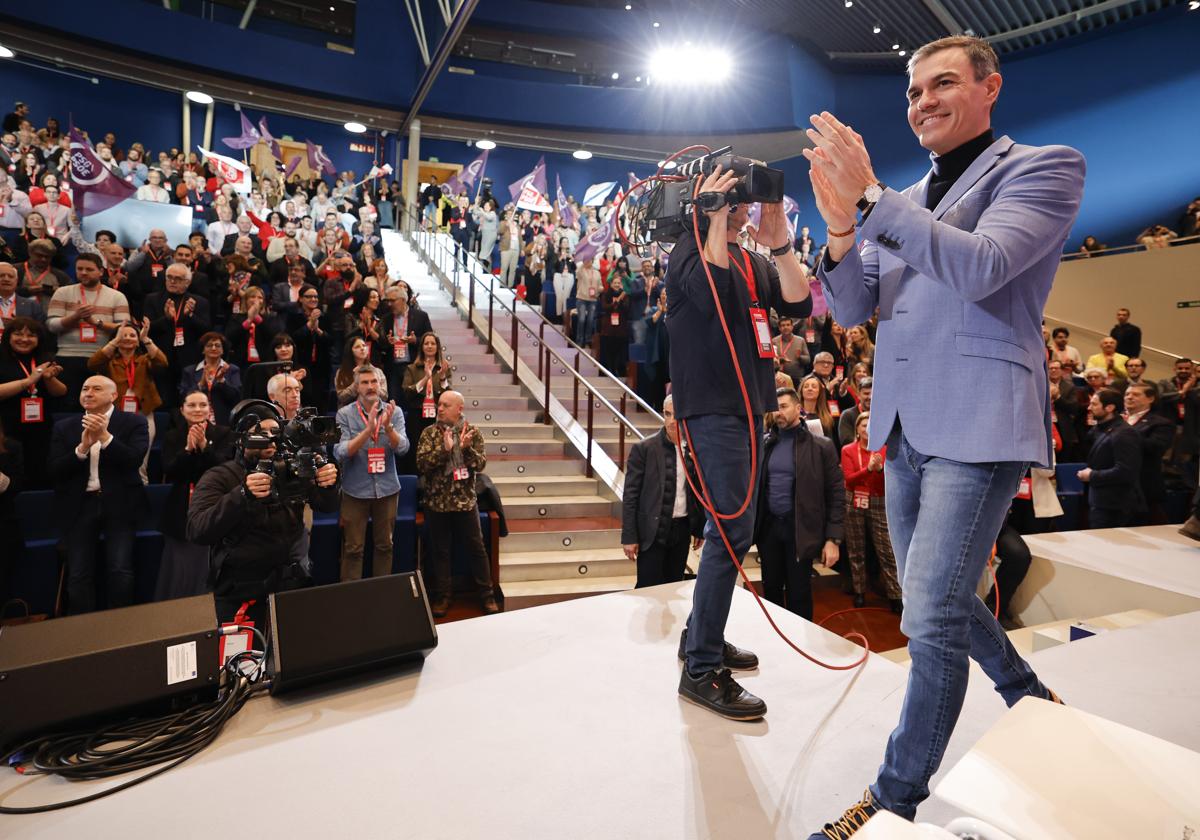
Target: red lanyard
x=429, y=384
x=208, y=381
x=783, y=351
x=130, y=374
x=114, y=277
x=362, y=414
x=250, y=341
x=83, y=301
x=37, y=281
x=179, y=310
x=859, y=451
x=29, y=372
x=747, y=275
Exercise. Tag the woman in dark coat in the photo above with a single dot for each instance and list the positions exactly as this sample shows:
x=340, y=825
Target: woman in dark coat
x=189, y=450
x=614, y=327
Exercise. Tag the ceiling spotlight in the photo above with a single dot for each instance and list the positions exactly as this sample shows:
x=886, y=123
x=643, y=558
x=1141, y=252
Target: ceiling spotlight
x=581, y=154
x=332, y=9
x=849, y=3
x=628, y=7
x=199, y=97
x=1193, y=5
x=877, y=29
x=355, y=127
x=656, y=24
x=637, y=78
x=616, y=76
x=903, y=53
x=690, y=65
x=895, y=46
x=5, y=52
x=485, y=144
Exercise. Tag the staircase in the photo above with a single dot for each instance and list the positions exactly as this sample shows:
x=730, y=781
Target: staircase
x=564, y=528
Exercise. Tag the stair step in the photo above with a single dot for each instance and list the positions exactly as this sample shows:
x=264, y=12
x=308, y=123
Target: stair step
x=477, y=404
x=527, y=447
x=584, y=563
x=496, y=430
x=513, y=487
x=557, y=507
x=499, y=467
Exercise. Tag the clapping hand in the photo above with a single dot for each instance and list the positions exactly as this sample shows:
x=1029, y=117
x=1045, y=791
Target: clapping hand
x=144, y=331
x=385, y=419
x=196, y=440
x=464, y=437
x=448, y=439
x=169, y=309
x=839, y=167
x=189, y=306
x=875, y=464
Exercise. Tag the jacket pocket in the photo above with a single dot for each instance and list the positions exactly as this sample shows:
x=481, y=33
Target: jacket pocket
x=990, y=347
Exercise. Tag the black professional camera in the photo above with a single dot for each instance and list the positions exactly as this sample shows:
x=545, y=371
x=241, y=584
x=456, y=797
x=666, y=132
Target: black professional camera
x=486, y=192
x=666, y=211
x=299, y=445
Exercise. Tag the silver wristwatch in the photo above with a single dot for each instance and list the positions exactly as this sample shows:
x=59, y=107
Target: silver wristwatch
x=870, y=196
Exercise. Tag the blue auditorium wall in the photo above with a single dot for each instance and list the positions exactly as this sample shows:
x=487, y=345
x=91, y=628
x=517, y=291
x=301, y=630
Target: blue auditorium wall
x=1126, y=100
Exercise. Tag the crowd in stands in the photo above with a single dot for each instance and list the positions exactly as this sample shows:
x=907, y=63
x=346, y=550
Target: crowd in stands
x=122, y=365
x=1156, y=235
x=284, y=294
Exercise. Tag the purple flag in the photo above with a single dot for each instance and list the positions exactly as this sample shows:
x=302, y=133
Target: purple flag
x=467, y=176
x=566, y=213
x=597, y=239
x=318, y=161
x=248, y=138
x=536, y=178
x=291, y=167
x=276, y=152
x=92, y=183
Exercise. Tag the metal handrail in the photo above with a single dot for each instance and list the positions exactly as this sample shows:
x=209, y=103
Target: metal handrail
x=427, y=242
x=1127, y=249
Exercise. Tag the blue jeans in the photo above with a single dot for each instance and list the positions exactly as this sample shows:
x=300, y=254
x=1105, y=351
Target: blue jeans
x=585, y=321
x=722, y=449
x=943, y=517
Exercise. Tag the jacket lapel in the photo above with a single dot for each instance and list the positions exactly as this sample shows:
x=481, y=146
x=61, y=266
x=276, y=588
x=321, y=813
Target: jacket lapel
x=981, y=166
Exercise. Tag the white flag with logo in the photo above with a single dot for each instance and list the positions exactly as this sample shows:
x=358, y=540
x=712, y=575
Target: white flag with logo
x=232, y=171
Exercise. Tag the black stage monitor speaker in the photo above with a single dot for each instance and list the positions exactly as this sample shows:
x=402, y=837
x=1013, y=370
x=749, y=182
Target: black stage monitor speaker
x=326, y=632
x=97, y=664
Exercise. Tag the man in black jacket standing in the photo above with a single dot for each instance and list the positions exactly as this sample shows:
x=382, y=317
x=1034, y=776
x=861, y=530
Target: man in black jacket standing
x=660, y=517
x=237, y=510
x=1114, y=464
x=1156, y=434
x=94, y=461
x=803, y=506
x=713, y=412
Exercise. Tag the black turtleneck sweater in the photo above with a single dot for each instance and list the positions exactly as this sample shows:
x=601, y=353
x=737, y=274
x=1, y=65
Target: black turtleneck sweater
x=949, y=167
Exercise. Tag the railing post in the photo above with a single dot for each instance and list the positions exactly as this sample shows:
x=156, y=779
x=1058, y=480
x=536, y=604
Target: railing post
x=575, y=403
x=470, y=299
x=541, y=343
x=491, y=308
x=621, y=423
x=546, y=381
x=591, y=407
x=514, y=344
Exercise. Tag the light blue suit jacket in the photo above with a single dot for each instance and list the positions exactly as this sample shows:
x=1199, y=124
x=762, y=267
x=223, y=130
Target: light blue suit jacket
x=959, y=354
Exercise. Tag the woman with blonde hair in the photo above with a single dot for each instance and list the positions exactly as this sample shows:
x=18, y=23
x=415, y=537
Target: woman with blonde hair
x=859, y=348
x=814, y=405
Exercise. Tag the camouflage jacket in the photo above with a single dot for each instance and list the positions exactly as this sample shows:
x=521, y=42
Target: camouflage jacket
x=440, y=492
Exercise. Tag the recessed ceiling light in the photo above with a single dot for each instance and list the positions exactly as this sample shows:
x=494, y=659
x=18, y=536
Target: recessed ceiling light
x=485, y=144
x=895, y=46
x=656, y=24
x=628, y=7
x=5, y=52
x=332, y=9
x=355, y=127
x=616, y=76
x=849, y=3
x=581, y=154
x=903, y=53
x=1193, y=5
x=877, y=29
x=199, y=96
x=637, y=78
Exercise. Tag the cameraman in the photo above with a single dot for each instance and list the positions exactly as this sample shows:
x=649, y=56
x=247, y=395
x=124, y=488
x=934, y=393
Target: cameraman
x=235, y=509
x=709, y=402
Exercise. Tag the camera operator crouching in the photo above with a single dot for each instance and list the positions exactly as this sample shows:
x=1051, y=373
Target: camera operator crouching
x=251, y=510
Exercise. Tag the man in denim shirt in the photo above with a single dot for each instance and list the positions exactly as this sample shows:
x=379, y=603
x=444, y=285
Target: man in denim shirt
x=372, y=438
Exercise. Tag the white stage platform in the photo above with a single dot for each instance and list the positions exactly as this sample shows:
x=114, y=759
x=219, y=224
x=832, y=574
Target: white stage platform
x=1081, y=574
x=563, y=722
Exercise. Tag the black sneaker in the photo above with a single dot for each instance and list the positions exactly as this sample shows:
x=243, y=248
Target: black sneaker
x=732, y=657
x=849, y=823
x=718, y=692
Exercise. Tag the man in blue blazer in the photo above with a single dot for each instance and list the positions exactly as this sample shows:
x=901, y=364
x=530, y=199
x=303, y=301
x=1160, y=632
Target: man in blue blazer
x=959, y=266
x=94, y=461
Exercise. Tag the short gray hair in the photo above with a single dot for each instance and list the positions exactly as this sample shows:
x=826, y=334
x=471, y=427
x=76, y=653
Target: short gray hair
x=984, y=60
x=363, y=370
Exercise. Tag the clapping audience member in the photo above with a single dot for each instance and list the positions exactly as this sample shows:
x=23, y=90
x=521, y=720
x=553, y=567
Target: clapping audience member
x=190, y=449
x=614, y=327
x=402, y=324
x=13, y=305
x=791, y=351
x=250, y=333
x=510, y=247
x=94, y=463
x=28, y=380
x=37, y=278
x=424, y=381
x=1109, y=360
x=216, y=377
x=133, y=373
x=178, y=317
x=356, y=354
x=1156, y=434
x=866, y=513
x=449, y=455
x=800, y=519
x=84, y=316
x=372, y=437
x=814, y=405
x=587, y=296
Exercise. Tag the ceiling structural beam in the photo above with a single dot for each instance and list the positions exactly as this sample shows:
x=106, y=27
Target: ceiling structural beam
x=944, y=17
x=444, y=8
x=245, y=21
x=418, y=26
x=438, y=60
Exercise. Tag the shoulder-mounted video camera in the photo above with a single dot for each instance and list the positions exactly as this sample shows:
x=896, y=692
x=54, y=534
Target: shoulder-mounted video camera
x=299, y=445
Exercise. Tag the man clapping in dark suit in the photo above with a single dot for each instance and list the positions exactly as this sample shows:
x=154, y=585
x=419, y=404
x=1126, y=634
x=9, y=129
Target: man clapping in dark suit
x=94, y=462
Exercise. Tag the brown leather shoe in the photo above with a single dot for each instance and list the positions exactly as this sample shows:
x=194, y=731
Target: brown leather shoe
x=440, y=606
x=489, y=604
x=1191, y=528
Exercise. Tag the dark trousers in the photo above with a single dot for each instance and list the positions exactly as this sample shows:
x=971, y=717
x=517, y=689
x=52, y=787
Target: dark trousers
x=786, y=578
x=444, y=530
x=664, y=562
x=1015, y=560
x=83, y=537
x=1107, y=517
x=74, y=372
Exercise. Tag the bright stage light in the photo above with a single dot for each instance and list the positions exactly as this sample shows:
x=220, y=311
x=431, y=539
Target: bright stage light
x=199, y=97
x=581, y=154
x=485, y=144
x=5, y=52
x=355, y=127
x=690, y=65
